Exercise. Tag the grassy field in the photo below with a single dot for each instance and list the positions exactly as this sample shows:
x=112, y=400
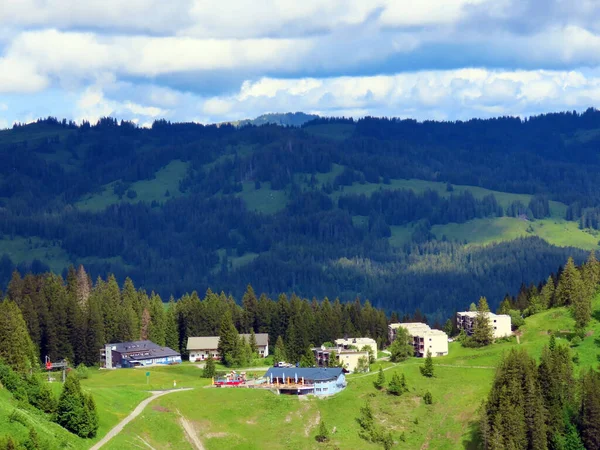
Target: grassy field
x=265, y=199
x=166, y=179
x=255, y=419
x=20, y=249
x=484, y=231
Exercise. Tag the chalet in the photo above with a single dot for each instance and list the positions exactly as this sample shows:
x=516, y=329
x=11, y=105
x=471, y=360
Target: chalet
x=310, y=380
x=200, y=347
x=137, y=353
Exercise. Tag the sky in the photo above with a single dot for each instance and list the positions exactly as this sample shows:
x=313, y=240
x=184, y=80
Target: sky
x=213, y=61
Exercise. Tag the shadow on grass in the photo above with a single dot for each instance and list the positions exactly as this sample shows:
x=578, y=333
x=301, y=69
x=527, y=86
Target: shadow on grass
x=472, y=439
x=596, y=315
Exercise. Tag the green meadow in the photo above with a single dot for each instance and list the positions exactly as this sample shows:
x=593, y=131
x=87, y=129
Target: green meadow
x=166, y=179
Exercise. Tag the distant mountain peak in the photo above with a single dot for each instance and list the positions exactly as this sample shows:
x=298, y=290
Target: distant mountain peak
x=295, y=119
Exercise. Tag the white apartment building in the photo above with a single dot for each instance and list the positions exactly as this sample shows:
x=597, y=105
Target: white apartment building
x=359, y=343
x=424, y=339
x=501, y=323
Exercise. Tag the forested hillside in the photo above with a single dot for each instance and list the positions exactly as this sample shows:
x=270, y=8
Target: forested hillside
x=374, y=208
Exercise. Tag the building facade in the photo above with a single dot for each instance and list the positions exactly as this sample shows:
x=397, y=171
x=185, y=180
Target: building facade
x=310, y=380
x=137, y=354
x=199, y=348
x=357, y=343
x=424, y=338
x=349, y=359
x=500, y=323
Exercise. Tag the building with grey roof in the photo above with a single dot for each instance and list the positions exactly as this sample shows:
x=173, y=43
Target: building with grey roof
x=199, y=348
x=137, y=353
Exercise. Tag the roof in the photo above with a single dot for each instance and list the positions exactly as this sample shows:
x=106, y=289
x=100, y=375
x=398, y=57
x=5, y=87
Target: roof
x=308, y=373
x=162, y=352
x=133, y=346
x=356, y=341
x=212, y=342
x=474, y=314
x=148, y=348
x=201, y=343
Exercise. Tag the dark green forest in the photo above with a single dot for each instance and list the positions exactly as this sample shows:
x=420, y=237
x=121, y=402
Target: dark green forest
x=319, y=240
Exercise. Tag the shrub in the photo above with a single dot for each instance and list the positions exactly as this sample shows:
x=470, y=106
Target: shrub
x=323, y=434
x=82, y=372
x=380, y=381
x=428, y=398
x=575, y=341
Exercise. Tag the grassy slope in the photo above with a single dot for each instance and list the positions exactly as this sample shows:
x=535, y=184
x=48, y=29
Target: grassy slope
x=248, y=419
x=166, y=178
x=484, y=231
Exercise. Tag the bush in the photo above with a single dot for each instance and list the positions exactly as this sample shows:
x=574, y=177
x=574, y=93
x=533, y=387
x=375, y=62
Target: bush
x=575, y=341
x=82, y=372
x=428, y=398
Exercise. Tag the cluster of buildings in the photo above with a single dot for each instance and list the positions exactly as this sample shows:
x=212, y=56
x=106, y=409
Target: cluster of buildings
x=348, y=353
x=321, y=380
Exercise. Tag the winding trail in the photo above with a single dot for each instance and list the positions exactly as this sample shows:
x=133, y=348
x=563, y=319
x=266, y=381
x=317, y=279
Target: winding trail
x=136, y=412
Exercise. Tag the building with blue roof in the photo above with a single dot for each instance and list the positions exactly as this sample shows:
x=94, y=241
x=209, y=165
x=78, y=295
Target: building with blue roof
x=306, y=380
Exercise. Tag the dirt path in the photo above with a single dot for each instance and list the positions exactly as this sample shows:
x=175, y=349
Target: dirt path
x=375, y=372
x=190, y=432
x=136, y=412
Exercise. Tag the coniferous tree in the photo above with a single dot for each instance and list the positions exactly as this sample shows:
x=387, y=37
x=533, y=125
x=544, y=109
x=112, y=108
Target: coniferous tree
x=171, y=333
x=252, y=343
x=395, y=386
x=547, y=293
x=569, y=285
x=229, y=341
x=514, y=413
x=279, y=353
x=209, y=370
x=483, y=333
x=427, y=368
x=323, y=433
x=156, y=331
x=91, y=416
x=75, y=411
x=449, y=327
x=379, y=383
x=589, y=414
x=16, y=348
x=402, y=347
x=308, y=359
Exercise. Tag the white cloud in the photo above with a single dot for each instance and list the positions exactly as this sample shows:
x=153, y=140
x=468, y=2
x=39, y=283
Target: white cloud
x=452, y=94
x=20, y=76
x=93, y=105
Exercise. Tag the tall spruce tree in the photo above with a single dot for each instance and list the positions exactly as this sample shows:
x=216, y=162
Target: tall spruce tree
x=229, y=341
x=75, y=411
x=589, y=413
x=279, y=352
x=514, y=413
x=483, y=333
x=16, y=348
x=569, y=285
x=171, y=329
x=547, y=293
